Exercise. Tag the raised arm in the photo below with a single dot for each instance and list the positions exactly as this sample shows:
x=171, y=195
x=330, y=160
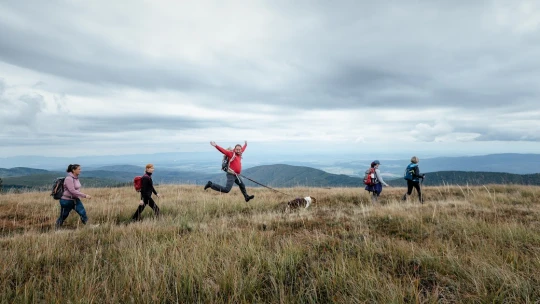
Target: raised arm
x=245, y=146
x=220, y=149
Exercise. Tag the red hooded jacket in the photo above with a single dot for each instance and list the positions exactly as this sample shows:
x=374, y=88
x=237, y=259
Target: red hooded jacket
x=236, y=163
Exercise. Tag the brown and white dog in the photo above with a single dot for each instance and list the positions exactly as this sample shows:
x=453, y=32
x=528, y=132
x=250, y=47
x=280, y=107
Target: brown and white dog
x=300, y=202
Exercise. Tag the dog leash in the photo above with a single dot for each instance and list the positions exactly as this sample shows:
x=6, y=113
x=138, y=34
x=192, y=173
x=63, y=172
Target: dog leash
x=264, y=185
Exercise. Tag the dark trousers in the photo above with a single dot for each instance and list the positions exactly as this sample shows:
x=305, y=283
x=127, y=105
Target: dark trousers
x=65, y=208
x=416, y=185
x=231, y=179
x=146, y=201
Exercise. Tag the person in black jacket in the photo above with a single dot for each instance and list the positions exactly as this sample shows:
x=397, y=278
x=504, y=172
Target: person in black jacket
x=147, y=188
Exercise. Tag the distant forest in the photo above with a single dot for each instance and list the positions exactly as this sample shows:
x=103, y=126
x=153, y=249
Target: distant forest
x=270, y=175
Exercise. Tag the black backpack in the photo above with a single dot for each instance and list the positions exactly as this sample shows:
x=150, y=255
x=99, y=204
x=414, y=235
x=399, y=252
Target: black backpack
x=226, y=162
x=58, y=188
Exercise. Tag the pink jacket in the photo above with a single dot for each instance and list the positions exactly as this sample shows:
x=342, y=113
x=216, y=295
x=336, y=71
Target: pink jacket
x=71, y=188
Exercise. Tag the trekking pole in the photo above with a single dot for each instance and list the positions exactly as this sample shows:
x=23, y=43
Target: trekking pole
x=264, y=185
x=421, y=191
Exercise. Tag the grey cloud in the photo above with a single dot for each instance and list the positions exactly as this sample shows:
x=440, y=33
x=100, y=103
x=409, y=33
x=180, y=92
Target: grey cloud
x=143, y=122
x=21, y=112
x=509, y=135
x=499, y=129
x=488, y=128
x=129, y=69
x=37, y=139
x=2, y=87
x=351, y=55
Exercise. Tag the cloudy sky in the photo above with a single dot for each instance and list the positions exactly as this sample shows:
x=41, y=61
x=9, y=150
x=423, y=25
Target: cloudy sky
x=125, y=77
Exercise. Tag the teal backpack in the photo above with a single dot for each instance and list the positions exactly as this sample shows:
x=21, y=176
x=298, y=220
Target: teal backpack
x=409, y=172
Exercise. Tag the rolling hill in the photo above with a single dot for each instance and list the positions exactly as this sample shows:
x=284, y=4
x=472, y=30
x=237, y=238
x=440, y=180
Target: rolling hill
x=292, y=176
x=271, y=175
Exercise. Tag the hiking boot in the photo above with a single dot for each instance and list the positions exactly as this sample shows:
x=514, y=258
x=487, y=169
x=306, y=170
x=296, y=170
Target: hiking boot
x=248, y=198
x=208, y=185
x=404, y=198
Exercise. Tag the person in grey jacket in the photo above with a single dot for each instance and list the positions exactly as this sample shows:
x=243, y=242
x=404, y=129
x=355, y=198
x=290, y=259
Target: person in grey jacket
x=376, y=189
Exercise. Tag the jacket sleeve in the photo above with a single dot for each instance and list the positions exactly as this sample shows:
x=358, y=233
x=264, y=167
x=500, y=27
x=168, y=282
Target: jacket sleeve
x=379, y=177
x=226, y=152
x=417, y=172
x=69, y=184
x=244, y=147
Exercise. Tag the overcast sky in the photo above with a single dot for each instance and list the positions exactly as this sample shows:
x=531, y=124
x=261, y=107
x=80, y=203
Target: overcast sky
x=389, y=77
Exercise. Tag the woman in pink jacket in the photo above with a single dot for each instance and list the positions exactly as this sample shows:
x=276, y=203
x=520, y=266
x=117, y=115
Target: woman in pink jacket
x=71, y=199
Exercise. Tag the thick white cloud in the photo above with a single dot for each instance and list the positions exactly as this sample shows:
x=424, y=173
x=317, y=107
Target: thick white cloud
x=170, y=76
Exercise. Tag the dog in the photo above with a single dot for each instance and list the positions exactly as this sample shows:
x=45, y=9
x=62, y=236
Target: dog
x=300, y=202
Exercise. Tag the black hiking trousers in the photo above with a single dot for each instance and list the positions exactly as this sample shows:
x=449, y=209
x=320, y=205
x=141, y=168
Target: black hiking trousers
x=231, y=179
x=146, y=201
x=416, y=185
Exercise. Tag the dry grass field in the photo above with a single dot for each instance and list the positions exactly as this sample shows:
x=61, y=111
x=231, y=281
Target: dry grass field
x=464, y=245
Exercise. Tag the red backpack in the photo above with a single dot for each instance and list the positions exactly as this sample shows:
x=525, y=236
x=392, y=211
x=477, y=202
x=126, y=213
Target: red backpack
x=137, y=183
x=370, y=177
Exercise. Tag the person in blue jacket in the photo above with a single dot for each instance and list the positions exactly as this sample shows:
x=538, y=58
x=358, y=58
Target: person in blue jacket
x=413, y=176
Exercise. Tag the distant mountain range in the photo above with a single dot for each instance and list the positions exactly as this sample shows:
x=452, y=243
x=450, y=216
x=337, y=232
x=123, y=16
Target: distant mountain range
x=280, y=175
x=207, y=163
x=509, y=163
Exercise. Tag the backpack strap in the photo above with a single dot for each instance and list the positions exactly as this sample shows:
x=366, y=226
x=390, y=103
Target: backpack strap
x=230, y=160
x=233, y=157
x=66, y=188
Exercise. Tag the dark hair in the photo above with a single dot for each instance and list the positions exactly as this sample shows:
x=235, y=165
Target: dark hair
x=72, y=167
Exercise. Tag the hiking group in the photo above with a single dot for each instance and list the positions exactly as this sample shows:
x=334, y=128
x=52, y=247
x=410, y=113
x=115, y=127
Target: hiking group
x=67, y=189
x=374, y=181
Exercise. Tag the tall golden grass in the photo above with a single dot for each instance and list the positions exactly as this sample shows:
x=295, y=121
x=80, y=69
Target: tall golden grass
x=465, y=244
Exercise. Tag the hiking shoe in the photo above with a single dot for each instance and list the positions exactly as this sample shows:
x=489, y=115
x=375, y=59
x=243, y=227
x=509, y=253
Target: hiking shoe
x=248, y=198
x=404, y=198
x=208, y=185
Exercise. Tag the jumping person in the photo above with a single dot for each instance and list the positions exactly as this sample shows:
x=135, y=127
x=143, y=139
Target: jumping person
x=71, y=198
x=413, y=176
x=233, y=172
x=376, y=188
x=147, y=188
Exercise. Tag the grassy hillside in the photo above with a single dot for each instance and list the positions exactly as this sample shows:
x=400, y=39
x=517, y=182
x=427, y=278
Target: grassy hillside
x=466, y=244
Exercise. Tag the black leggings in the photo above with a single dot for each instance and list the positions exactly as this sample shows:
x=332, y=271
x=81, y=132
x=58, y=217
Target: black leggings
x=146, y=201
x=415, y=185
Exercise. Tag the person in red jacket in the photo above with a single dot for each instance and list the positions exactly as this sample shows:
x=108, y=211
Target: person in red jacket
x=233, y=171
